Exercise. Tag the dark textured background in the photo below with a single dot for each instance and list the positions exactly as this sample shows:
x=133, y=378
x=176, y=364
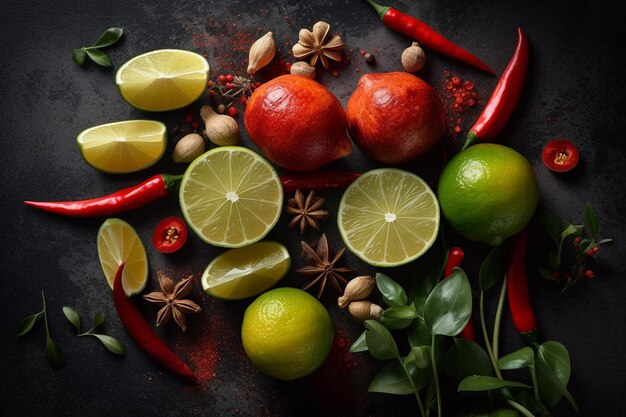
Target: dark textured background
x=575, y=89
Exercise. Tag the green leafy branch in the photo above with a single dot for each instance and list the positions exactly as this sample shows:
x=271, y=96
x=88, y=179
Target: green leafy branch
x=109, y=342
x=93, y=52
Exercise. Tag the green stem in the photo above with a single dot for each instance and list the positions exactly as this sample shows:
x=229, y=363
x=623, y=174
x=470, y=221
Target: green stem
x=417, y=395
x=471, y=139
x=486, y=337
x=380, y=9
x=45, y=313
x=523, y=411
x=533, y=377
x=496, y=324
x=433, y=359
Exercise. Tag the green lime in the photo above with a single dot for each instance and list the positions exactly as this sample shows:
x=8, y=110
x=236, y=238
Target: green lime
x=488, y=192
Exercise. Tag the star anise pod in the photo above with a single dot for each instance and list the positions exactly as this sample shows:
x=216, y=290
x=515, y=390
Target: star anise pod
x=319, y=44
x=173, y=302
x=323, y=266
x=307, y=211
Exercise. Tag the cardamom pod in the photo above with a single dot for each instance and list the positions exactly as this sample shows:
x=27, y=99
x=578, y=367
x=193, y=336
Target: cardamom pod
x=221, y=129
x=188, y=148
x=358, y=288
x=365, y=310
x=261, y=53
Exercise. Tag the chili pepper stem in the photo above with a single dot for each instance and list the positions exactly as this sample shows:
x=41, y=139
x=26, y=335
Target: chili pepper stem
x=380, y=9
x=471, y=139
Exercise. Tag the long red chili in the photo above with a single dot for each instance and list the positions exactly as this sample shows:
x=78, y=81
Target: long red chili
x=317, y=180
x=425, y=35
x=522, y=313
x=505, y=96
x=152, y=189
x=143, y=334
x=454, y=260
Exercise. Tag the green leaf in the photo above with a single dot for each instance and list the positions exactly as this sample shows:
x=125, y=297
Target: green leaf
x=493, y=268
x=487, y=383
x=591, y=222
x=427, y=275
x=360, y=344
x=418, y=333
x=449, y=306
x=522, y=358
x=78, y=56
x=393, y=293
x=419, y=356
x=401, y=312
x=55, y=354
x=553, y=373
x=551, y=225
x=504, y=412
x=111, y=343
x=466, y=358
x=571, y=229
x=28, y=323
x=520, y=408
x=98, y=57
x=98, y=319
x=380, y=343
x=556, y=356
x=604, y=241
x=72, y=316
x=421, y=377
x=109, y=37
x=391, y=379
x=545, y=272
x=395, y=324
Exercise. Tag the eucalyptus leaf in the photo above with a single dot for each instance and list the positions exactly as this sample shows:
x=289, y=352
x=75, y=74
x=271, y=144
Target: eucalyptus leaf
x=55, y=354
x=28, y=323
x=401, y=312
x=72, y=316
x=393, y=293
x=380, y=343
x=521, y=358
x=449, y=306
x=418, y=333
x=360, y=344
x=391, y=379
x=493, y=268
x=79, y=55
x=466, y=358
x=111, y=343
x=487, y=383
x=591, y=222
x=109, y=37
x=99, y=57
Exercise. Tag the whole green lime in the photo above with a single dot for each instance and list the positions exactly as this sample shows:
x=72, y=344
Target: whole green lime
x=488, y=192
x=287, y=333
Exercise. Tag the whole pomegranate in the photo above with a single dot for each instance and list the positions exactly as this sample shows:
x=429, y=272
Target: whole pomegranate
x=395, y=117
x=297, y=123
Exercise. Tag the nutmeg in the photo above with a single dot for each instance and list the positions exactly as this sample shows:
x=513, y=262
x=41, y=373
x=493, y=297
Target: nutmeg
x=358, y=288
x=413, y=58
x=261, y=53
x=303, y=68
x=188, y=148
x=221, y=129
x=365, y=310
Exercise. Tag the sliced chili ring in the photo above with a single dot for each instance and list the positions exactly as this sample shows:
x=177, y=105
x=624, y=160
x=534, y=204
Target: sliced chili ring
x=560, y=155
x=170, y=234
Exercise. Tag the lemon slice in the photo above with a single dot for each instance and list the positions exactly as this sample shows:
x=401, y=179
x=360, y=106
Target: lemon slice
x=162, y=80
x=245, y=272
x=388, y=217
x=118, y=242
x=231, y=197
x=123, y=147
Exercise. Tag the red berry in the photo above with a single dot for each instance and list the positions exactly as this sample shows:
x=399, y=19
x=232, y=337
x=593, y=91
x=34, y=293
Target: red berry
x=577, y=240
x=232, y=111
x=189, y=118
x=243, y=99
x=363, y=52
x=229, y=86
x=209, y=83
x=595, y=249
x=229, y=78
x=195, y=125
x=456, y=80
x=212, y=93
x=221, y=78
x=555, y=274
x=589, y=252
x=588, y=273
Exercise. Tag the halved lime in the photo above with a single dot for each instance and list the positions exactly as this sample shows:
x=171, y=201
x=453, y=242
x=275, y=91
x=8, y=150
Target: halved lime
x=118, y=242
x=166, y=79
x=388, y=217
x=231, y=196
x=245, y=272
x=123, y=147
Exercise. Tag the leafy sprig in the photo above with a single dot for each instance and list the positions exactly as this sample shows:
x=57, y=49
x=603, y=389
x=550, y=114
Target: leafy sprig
x=109, y=342
x=93, y=52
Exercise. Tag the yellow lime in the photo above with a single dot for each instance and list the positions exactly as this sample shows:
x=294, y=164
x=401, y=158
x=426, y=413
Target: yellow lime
x=231, y=196
x=161, y=80
x=118, y=242
x=388, y=217
x=488, y=192
x=244, y=272
x=123, y=147
x=287, y=333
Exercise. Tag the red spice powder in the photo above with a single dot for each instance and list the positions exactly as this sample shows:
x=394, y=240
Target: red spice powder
x=460, y=97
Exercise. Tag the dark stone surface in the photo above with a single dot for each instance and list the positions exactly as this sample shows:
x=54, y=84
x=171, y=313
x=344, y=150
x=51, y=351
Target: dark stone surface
x=575, y=89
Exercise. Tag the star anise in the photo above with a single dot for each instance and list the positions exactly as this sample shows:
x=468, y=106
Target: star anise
x=319, y=44
x=323, y=266
x=173, y=302
x=307, y=211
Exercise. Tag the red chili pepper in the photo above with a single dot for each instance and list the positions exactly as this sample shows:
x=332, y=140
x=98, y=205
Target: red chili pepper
x=504, y=97
x=523, y=316
x=143, y=334
x=317, y=180
x=425, y=35
x=127, y=199
x=454, y=260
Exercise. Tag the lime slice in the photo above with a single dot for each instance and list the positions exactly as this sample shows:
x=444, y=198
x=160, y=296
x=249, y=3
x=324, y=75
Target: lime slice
x=162, y=80
x=388, y=217
x=118, y=242
x=245, y=272
x=231, y=196
x=123, y=147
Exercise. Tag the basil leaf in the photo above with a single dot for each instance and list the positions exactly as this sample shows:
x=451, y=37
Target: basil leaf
x=449, y=306
x=72, y=316
x=98, y=320
x=591, y=222
x=28, y=323
x=99, y=57
x=111, y=343
x=380, y=343
x=487, y=383
x=401, y=312
x=359, y=345
x=109, y=37
x=78, y=56
x=393, y=293
x=55, y=354
x=418, y=333
x=466, y=358
x=391, y=379
x=522, y=358
x=493, y=268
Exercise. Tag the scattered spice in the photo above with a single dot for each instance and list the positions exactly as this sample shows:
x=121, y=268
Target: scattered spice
x=460, y=95
x=172, y=300
x=369, y=58
x=307, y=211
x=318, y=44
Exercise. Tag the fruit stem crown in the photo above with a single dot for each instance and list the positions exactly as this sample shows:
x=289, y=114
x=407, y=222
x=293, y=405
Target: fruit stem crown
x=380, y=9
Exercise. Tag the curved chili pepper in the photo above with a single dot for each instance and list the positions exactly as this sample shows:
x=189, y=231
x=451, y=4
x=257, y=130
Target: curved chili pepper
x=427, y=36
x=454, y=260
x=152, y=189
x=317, y=180
x=504, y=97
x=143, y=334
x=522, y=313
